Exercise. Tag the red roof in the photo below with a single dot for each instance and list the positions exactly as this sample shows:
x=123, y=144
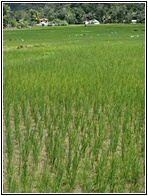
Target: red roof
x=43, y=19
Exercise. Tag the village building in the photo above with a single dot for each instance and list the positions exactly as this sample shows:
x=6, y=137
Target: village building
x=91, y=22
x=43, y=22
x=134, y=21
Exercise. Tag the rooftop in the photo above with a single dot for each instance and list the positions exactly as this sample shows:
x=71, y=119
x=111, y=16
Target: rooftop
x=43, y=19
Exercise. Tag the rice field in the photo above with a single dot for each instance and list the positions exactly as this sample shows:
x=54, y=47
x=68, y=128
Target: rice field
x=74, y=109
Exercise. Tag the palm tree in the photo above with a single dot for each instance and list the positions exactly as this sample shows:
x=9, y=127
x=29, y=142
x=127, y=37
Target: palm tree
x=6, y=9
x=35, y=15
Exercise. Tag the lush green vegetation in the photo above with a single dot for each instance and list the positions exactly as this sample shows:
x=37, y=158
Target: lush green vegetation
x=74, y=109
x=23, y=14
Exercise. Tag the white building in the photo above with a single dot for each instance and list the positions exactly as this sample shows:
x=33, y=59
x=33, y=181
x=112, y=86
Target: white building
x=43, y=22
x=91, y=22
x=134, y=21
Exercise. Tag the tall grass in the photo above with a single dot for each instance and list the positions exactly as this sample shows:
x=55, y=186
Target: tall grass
x=74, y=109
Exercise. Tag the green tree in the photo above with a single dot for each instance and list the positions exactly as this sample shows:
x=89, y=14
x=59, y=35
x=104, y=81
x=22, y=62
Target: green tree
x=6, y=9
x=6, y=12
x=79, y=14
x=73, y=13
x=22, y=23
x=34, y=14
x=70, y=17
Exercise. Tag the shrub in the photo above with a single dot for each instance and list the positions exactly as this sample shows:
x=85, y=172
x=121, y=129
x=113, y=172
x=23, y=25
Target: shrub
x=59, y=22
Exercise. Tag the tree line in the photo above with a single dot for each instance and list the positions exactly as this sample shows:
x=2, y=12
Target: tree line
x=28, y=14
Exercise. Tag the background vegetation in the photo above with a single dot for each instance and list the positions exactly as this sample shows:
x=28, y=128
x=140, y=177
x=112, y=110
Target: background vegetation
x=24, y=14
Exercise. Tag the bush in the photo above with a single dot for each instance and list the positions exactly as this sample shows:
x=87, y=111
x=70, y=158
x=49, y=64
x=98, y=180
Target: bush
x=49, y=24
x=64, y=23
x=58, y=22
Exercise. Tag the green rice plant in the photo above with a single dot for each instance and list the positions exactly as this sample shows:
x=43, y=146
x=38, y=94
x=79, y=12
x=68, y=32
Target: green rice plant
x=24, y=110
x=112, y=174
x=44, y=182
x=114, y=137
x=33, y=110
x=84, y=143
x=9, y=166
x=35, y=149
x=101, y=179
x=17, y=122
x=49, y=145
x=40, y=130
x=27, y=123
x=97, y=143
x=10, y=181
x=9, y=149
x=72, y=167
x=86, y=183
x=24, y=165
x=57, y=178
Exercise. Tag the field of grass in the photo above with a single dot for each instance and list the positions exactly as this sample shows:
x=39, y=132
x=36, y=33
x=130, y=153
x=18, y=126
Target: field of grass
x=74, y=109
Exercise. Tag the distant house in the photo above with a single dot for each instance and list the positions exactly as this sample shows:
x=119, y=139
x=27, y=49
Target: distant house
x=96, y=22
x=134, y=21
x=91, y=22
x=43, y=22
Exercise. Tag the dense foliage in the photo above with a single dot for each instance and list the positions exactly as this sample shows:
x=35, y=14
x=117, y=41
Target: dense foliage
x=24, y=14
